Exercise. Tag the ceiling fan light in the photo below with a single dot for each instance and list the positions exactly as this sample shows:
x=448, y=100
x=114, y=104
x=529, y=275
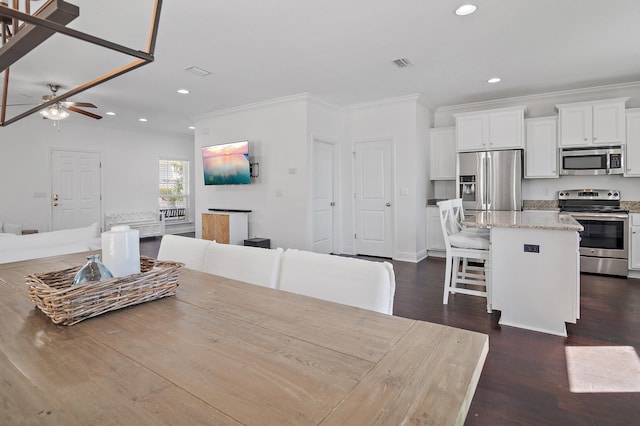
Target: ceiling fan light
x=54, y=112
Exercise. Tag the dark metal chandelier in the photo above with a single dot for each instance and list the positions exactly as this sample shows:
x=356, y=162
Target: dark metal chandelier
x=22, y=32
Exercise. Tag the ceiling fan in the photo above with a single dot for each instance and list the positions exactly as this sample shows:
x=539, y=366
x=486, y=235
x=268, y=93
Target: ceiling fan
x=59, y=110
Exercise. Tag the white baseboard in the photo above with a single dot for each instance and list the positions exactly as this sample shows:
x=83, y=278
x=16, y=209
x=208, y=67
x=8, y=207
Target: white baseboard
x=436, y=253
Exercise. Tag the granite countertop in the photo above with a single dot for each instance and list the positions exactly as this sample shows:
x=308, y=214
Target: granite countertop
x=632, y=206
x=524, y=220
x=551, y=205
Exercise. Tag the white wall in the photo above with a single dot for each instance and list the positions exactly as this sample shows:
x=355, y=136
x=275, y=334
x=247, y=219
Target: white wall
x=424, y=117
x=326, y=123
x=543, y=105
x=281, y=133
x=404, y=121
x=129, y=166
x=278, y=140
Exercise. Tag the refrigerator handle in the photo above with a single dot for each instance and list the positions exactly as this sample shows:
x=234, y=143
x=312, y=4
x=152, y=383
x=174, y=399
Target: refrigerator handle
x=489, y=168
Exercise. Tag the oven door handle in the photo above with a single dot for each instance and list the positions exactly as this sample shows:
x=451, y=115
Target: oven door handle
x=599, y=216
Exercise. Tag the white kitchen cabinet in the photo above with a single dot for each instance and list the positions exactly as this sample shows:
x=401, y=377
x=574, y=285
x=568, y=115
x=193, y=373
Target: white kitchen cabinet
x=541, y=148
x=632, y=156
x=491, y=129
x=435, y=239
x=443, y=153
x=634, y=246
x=592, y=123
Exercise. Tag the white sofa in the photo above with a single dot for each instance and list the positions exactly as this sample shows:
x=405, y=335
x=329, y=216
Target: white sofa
x=10, y=228
x=355, y=282
x=21, y=247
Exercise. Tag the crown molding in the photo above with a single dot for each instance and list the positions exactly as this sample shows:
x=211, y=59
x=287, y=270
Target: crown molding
x=419, y=98
x=255, y=105
x=324, y=103
x=390, y=101
x=520, y=99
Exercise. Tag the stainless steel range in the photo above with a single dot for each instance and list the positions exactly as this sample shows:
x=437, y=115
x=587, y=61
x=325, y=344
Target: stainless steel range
x=604, y=241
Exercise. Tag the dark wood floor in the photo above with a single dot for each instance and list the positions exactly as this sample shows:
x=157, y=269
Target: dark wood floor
x=525, y=380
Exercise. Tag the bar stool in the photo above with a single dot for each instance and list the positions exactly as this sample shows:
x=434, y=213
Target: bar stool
x=463, y=245
x=458, y=212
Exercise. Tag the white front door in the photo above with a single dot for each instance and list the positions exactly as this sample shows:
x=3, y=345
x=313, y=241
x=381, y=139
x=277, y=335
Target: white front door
x=75, y=189
x=323, y=196
x=374, y=198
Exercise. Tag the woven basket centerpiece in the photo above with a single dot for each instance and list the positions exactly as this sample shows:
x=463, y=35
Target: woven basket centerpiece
x=54, y=294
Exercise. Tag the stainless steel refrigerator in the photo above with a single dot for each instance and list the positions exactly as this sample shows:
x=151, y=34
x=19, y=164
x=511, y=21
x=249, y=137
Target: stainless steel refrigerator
x=490, y=180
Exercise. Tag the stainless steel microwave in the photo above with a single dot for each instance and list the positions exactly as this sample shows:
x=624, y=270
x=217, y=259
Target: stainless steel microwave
x=605, y=160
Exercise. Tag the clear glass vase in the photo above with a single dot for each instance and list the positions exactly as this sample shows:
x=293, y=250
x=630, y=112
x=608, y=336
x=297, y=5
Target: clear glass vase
x=93, y=270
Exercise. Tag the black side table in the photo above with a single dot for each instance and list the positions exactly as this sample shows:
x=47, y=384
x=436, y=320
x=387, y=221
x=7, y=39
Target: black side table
x=258, y=242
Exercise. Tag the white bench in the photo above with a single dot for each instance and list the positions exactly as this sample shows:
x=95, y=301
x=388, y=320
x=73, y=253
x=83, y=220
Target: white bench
x=148, y=223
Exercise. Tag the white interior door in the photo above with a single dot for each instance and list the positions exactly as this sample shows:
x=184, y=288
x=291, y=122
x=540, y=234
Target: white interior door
x=75, y=189
x=374, y=198
x=323, y=197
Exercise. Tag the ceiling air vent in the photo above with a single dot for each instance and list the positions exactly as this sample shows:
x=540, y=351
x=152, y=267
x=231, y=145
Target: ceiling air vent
x=198, y=71
x=403, y=63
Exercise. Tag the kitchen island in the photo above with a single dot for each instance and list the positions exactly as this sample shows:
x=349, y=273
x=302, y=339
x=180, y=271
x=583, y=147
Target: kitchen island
x=535, y=268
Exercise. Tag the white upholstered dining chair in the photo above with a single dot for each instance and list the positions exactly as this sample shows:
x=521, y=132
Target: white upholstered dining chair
x=254, y=265
x=190, y=251
x=464, y=244
x=355, y=282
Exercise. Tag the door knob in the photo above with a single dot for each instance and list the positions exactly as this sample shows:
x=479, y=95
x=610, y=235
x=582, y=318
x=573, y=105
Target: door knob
x=388, y=204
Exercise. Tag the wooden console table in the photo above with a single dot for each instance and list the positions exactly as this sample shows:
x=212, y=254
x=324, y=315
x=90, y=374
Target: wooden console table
x=227, y=352
x=225, y=227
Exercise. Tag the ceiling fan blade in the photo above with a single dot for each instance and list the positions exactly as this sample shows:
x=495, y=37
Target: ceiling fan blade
x=87, y=113
x=79, y=104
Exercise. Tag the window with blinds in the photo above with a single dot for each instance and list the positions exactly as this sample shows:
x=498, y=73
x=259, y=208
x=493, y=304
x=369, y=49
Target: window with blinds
x=174, y=190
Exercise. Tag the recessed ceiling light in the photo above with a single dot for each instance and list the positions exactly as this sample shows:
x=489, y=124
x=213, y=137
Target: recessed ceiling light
x=110, y=113
x=494, y=80
x=144, y=120
x=466, y=9
x=192, y=127
x=183, y=91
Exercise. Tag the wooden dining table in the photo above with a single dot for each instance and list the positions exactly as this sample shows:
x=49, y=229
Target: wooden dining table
x=224, y=352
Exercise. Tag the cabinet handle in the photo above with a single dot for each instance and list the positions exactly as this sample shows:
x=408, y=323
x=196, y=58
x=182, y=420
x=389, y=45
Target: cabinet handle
x=594, y=138
x=585, y=139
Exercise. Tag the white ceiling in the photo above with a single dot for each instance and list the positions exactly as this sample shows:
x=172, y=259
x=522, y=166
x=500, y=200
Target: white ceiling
x=341, y=51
